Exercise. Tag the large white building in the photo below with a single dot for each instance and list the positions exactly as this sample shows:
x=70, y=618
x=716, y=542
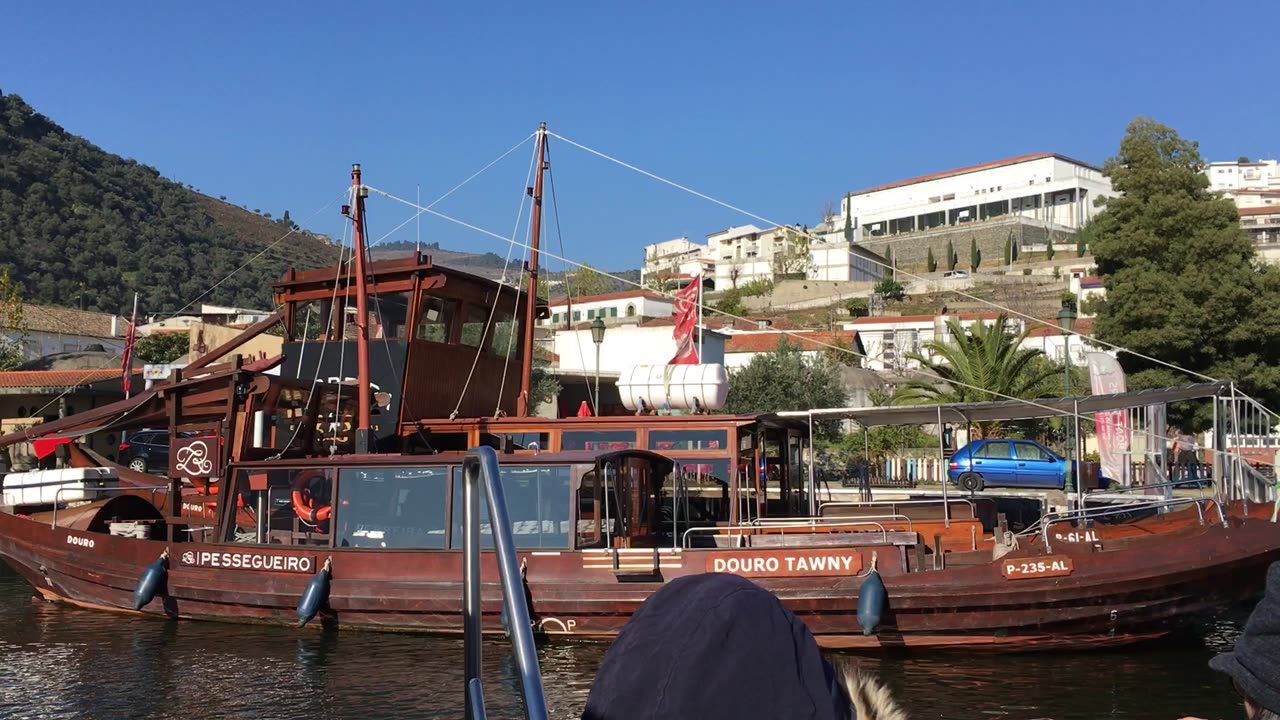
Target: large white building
x=889, y=340
x=619, y=307
x=677, y=259
x=1047, y=188
x=1228, y=177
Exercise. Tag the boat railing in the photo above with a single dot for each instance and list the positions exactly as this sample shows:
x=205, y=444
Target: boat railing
x=57, y=495
x=893, y=505
x=1173, y=485
x=483, y=479
x=1051, y=519
x=815, y=522
x=740, y=531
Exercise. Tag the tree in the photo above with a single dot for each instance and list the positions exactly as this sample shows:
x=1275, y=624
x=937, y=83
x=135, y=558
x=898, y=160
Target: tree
x=975, y=255
x=1010, y=249
x=1242, y=159
x=893, y=263
x=1048, y=248
x=930, y=262
x=787, y=379
x=952, y=260
x=890, y=289
x=984, y=363
x=13, y=342
x=730, y=303
x=794, y=257
x=586, y=280
x=848, y=217
x=1183, y=283
x=162, y=348
x=659, y=283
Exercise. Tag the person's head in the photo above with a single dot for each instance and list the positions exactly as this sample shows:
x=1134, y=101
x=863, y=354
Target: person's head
x=1254, y=663
x=719, y=646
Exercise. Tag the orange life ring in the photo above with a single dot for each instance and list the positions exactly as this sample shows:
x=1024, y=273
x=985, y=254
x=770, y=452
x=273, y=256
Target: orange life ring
x=303, y=503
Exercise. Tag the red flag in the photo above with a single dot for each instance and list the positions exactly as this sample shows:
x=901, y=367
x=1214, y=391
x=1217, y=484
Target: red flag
x=686, y=315
x=126, y=369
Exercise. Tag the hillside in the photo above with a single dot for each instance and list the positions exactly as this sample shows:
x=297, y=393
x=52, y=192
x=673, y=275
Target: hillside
x=79, y=224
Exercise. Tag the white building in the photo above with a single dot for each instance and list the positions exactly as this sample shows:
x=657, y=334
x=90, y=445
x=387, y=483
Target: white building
x=677, y=259
x=843, y=262
x=650, y=343
x=1262, y=223
x=52, y=330
x=889, y=340
x=1047, y=188
x=1228, y=177
x=746, y=253
x=619, y=307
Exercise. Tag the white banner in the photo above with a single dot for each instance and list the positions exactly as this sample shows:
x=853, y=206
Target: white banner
x=1106, y=377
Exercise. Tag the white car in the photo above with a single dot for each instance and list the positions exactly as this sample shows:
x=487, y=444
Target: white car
x=955, y=274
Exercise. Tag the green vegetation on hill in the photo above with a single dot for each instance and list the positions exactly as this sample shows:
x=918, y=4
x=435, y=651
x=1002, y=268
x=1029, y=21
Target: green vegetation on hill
x=78, y=224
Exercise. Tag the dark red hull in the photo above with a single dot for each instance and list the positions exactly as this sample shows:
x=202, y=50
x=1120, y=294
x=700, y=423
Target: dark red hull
x=1136, y=590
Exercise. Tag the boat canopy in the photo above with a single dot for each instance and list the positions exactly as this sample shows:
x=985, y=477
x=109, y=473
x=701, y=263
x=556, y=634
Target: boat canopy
x=975, y=412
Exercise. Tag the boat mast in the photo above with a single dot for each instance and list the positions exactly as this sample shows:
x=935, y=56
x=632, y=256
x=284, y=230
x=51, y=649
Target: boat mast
x=362, y=314
x=524, y=403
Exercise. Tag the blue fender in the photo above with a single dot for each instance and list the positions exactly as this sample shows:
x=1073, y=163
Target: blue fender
x=316, y=596
x=154, y=581
x=872, y=599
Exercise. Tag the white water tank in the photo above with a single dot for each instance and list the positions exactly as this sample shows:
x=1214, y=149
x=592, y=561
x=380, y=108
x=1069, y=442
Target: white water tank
x=674, y=387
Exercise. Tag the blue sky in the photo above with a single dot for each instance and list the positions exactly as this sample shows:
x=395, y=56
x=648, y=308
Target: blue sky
x=774, y=107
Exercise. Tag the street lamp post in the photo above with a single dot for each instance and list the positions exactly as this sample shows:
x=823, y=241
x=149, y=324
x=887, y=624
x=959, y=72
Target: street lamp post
x=1067, y=321
x=597, y=337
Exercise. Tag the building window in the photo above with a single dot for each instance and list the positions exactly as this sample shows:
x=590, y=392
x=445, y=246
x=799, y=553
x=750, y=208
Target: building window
x=631, y=310
x=591, y=314
x=613, y=312
x=577, y=315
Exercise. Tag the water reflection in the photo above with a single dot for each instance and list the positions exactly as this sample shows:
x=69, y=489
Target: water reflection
x=59, y=662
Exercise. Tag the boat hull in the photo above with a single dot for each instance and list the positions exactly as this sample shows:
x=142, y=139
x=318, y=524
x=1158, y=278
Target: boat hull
x=1143, y=589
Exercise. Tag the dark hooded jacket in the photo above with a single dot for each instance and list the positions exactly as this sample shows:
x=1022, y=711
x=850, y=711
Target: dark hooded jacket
x=719, y=646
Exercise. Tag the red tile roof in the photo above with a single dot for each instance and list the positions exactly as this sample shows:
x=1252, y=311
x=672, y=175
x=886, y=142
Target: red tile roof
x=806, y=339
x=561, y=302
x=55, y=378
x=889, y=319
x=971, y=168
x=1084, y=326
x=1265, y=210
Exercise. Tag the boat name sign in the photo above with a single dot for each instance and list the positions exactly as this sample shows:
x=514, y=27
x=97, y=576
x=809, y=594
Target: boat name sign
x=269, y=562
x=794, y=563
x=1044, y=567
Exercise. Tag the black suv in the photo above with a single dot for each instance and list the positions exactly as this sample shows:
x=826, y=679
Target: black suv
x=146, y=451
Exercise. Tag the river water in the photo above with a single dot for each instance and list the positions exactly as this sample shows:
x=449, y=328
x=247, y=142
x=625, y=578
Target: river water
x=63, y=662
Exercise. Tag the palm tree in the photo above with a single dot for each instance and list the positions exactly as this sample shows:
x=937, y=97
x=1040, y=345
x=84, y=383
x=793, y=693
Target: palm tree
x=985, y=363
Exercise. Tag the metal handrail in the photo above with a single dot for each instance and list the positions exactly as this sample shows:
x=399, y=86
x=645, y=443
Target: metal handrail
x=684, y=539
x=480, y=474
x=809, y=521
x=1051, y=519
x=1175, y=484
x=895, y=503
x=57, y=493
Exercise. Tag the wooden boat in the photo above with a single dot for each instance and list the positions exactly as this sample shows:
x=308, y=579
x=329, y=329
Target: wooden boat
x=278, y=481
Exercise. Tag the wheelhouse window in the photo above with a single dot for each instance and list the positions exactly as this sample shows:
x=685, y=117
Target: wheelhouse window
x=695, y=494
x=389, y=316
x=505, y=338
x=473, y=326
x=392, y=508
x=598, y=440
x=663, y=440
x=519, y=440
x=538, y=499
x=435, y=318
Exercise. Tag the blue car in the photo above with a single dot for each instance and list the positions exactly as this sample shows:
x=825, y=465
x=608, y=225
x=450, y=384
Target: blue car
x=1006, y=463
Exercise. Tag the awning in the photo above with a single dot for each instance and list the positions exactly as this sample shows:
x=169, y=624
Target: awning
x=1012, y=409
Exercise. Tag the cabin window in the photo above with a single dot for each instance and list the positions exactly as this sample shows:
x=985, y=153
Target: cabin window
x=597, y=510
x=389, y=316
x=267, y=510
x=435, y=318
x=312, y=318
x=598, y=440
x=473, y=326
x=505, y=338
x=537, y=504
x=519, y=440
x=392, y=508
x=663, y=440
x=696, y=494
